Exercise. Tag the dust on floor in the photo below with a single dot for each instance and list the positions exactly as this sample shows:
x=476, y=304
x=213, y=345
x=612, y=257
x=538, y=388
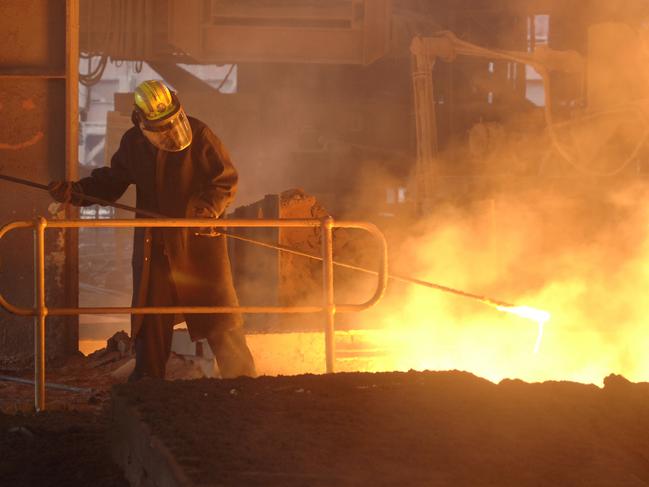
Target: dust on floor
x=416, y=428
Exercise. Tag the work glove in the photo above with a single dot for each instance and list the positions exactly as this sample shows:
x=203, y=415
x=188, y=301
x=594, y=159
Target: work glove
x=200, y=209
x=66, y=192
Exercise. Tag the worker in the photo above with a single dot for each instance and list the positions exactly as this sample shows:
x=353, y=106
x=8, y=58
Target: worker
x=182, y=170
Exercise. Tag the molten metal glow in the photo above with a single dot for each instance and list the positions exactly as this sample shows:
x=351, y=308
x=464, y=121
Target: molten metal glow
x=549, y=253
x=538, y=315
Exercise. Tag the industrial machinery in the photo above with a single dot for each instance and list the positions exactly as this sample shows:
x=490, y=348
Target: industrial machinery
x=600, y=137
x=222, y=31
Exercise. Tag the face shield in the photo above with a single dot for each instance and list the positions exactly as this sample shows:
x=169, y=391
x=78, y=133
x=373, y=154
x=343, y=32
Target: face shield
x=171, y=133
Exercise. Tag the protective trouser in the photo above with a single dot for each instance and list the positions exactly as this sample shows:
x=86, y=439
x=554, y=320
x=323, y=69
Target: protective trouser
x=153, y=341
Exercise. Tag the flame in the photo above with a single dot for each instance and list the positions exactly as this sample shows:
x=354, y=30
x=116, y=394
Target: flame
x=532, y=255
x=431, y=331
x=538, y=315
x=548, y=253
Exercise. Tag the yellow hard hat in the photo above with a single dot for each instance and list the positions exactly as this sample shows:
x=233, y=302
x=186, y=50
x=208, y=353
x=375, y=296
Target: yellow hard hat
x=161, y=118
x=154, y=99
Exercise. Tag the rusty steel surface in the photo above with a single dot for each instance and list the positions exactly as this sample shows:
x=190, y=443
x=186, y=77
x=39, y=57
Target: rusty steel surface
x=207, y=32
x=32, y=35
x=38, y=99
x=343, y=32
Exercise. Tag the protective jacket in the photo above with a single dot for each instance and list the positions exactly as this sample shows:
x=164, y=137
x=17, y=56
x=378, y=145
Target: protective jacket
x=175, y=184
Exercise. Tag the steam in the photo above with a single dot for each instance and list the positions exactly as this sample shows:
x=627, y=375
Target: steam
x=583, y=262
x=563, y=228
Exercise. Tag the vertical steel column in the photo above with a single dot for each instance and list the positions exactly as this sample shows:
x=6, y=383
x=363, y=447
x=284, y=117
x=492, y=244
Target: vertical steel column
x=41, y=313
x=71, y=235
x=72, y=91
x=425, y=121
x=328, y=291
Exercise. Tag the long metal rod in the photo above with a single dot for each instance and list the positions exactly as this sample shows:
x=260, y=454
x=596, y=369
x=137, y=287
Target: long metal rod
x=92, y=199
x=396, y=277
x=184, y=309
x=37, y=396
x=328, y=292
x=71, y=236
x=48, y=385
x=39, y=319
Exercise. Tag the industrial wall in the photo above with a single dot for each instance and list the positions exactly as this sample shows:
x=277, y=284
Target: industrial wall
x=38, y=141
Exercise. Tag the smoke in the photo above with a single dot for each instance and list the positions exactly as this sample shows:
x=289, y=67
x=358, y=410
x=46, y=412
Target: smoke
x=583, y=260
x=545, y=232
x=554, y=230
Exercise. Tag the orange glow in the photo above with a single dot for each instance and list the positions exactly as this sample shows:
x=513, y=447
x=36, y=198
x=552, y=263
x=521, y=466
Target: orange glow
x=585, y=263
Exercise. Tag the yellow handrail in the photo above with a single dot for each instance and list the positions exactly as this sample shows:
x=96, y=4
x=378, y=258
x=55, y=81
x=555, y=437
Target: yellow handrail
x=329, y=308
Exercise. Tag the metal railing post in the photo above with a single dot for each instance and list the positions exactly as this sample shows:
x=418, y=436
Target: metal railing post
x=328, y=291
x=41, y=314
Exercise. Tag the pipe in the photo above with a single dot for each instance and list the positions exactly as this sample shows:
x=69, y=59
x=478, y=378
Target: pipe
x=328, y=303
x=41, y=316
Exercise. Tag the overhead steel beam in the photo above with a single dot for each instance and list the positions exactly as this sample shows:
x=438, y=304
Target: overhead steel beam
x=181, y=79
